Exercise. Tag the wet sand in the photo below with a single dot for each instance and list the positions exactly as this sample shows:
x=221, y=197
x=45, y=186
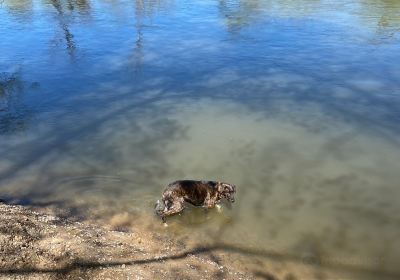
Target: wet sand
x=36, y=245
x=40, y=246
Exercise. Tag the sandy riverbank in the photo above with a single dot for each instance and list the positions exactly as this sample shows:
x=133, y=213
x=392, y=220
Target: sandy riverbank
x=36, y=245
x=46, y=247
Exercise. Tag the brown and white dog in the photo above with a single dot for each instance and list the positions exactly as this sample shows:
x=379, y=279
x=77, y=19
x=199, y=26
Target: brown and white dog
x=198, y=193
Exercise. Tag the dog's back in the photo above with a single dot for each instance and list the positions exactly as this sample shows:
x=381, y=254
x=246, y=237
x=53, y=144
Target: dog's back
x=194, y=192
x=198, y=193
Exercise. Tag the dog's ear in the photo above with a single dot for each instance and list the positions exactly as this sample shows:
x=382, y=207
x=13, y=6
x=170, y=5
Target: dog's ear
x=228, y=187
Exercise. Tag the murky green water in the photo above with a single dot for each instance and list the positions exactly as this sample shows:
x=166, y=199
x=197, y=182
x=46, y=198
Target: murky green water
x=102, y=103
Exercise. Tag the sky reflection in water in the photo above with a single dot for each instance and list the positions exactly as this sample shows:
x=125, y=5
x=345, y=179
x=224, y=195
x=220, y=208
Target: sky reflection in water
x=296, y=102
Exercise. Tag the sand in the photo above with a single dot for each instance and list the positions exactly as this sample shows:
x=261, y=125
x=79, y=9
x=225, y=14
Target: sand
x=37, y=245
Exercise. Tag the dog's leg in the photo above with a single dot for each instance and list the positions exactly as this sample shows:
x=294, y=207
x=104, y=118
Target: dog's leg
x=210, y=203
x=176, y=207
x=219, y=208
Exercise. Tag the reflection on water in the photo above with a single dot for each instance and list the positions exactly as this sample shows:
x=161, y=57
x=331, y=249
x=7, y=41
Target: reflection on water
x=238, y=14
x=14, y=114
x=282, y=99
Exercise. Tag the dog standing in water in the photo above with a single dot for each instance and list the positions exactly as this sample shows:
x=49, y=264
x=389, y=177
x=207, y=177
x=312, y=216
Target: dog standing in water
x=199, y=193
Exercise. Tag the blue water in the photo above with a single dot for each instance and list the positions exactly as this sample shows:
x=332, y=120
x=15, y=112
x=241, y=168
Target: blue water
x=295, y=102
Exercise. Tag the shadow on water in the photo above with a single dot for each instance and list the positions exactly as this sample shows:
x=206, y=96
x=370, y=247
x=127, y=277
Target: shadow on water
x=62, y=140
x=145, y=145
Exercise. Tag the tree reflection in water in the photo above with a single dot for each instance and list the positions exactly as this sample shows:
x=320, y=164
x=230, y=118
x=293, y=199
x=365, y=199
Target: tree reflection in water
x=14, y=115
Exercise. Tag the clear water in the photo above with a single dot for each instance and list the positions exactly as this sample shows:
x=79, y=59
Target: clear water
x=102, y=103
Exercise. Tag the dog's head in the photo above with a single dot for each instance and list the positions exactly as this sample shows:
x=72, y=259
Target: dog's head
x=227, y=191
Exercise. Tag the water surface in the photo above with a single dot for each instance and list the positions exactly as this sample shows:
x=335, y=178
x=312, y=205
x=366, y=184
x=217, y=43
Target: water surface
x=102, y=103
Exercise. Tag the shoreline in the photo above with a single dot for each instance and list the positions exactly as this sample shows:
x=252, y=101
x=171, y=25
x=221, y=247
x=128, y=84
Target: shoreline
x=38, y=245
x=42, y=246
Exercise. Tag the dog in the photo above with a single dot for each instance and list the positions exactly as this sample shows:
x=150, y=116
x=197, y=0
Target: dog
x=198, y=193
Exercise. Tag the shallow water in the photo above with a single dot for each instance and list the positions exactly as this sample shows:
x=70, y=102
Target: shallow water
x=102, y=103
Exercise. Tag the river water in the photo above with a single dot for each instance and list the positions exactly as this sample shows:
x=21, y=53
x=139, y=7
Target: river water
x=104, y=102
